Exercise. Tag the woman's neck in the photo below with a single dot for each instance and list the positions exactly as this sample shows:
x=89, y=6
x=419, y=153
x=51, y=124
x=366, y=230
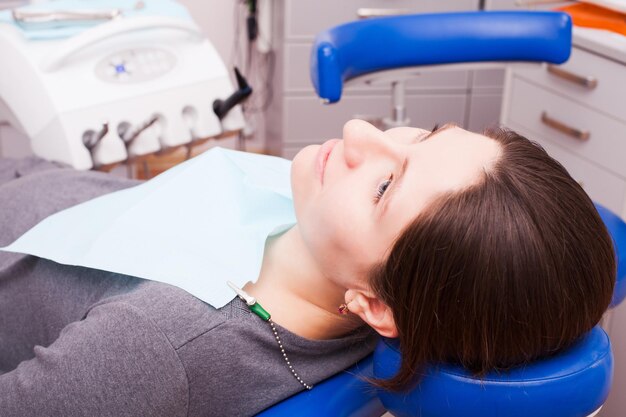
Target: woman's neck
x=297, y=295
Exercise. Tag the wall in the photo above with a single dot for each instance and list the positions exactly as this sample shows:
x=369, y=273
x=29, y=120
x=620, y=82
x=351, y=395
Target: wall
x=216, y=18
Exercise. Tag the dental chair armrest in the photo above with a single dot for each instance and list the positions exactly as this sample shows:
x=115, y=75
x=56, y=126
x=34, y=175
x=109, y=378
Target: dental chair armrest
x=353, y=49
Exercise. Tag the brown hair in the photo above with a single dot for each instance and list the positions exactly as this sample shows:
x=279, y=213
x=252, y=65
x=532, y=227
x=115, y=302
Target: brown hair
x=511, y=269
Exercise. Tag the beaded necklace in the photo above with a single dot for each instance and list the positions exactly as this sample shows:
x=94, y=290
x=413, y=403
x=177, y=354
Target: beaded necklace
x=257, y=309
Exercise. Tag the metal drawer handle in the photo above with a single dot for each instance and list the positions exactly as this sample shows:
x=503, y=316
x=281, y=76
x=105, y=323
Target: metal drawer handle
x=365, y=12
x=563, y=128
x=589, y=82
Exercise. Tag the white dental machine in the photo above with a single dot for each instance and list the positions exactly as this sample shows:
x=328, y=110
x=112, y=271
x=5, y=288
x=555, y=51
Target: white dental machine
x=126, y=87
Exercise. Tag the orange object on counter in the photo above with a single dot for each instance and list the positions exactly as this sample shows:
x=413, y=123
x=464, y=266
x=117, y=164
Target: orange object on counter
x=591, y=16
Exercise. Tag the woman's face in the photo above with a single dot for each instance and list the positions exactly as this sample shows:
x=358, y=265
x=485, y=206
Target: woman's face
x=353, y=197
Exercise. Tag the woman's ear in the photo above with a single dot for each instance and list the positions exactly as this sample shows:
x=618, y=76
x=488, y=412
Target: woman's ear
x=372, y=311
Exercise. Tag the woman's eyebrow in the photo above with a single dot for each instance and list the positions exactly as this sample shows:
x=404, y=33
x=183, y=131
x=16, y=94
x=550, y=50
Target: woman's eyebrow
x=438, y=129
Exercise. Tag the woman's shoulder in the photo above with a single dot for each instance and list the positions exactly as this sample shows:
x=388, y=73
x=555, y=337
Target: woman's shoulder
x=180, y=316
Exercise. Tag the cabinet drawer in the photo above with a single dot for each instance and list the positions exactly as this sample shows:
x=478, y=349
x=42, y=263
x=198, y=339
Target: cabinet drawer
x=583, y=68
x=307, y=121
x=304, y=19
x=606, y=145
x=601, y=186
x=298, y=78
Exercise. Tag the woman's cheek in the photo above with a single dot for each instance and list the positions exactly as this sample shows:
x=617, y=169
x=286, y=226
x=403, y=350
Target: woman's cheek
x=303, y=177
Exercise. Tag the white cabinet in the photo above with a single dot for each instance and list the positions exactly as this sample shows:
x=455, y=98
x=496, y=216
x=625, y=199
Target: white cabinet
x=485, y=104
x=297, y=118
x=574, y=111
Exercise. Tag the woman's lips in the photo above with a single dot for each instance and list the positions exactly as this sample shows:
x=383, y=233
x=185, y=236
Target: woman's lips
x=322, y=156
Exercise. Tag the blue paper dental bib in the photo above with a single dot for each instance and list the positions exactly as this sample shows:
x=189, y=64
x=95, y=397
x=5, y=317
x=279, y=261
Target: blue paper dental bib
x=195, y=226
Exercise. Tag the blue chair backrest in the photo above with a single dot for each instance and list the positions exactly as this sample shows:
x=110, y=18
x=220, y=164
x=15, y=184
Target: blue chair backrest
x=617, y=229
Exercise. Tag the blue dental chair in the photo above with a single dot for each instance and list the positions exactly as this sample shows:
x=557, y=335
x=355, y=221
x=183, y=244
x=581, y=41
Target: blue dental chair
x=574, y=383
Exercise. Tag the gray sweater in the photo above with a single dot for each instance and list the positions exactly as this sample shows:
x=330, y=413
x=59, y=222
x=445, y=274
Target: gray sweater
x=81, y=342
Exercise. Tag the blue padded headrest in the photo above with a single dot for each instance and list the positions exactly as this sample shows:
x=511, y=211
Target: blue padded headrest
x=573, y=383
x=617, y=229
x=361, y=47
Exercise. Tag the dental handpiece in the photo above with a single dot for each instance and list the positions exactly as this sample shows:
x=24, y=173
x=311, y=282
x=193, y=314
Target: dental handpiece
x=129, y=135
x=92, y=137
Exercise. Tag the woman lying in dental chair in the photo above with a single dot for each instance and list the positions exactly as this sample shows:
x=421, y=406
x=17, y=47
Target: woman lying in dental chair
x=477, y=249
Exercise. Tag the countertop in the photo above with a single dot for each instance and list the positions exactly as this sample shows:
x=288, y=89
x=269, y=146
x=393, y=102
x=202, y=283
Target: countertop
x=601, y=42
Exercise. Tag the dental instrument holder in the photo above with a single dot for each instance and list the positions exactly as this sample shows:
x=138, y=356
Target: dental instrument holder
x=482, y=39
x=73, y=97
x=222, y=107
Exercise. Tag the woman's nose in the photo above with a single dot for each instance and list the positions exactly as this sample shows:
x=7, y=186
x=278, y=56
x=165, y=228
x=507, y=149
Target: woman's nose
x=362, y=140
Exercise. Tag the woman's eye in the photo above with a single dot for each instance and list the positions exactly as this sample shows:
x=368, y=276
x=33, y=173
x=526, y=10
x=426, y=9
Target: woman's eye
x=382, y=188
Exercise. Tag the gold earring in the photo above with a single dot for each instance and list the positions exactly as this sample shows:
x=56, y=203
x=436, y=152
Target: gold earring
x=343, y=309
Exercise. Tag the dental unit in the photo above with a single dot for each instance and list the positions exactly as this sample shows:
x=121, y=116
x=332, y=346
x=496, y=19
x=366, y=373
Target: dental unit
x=119, y=88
